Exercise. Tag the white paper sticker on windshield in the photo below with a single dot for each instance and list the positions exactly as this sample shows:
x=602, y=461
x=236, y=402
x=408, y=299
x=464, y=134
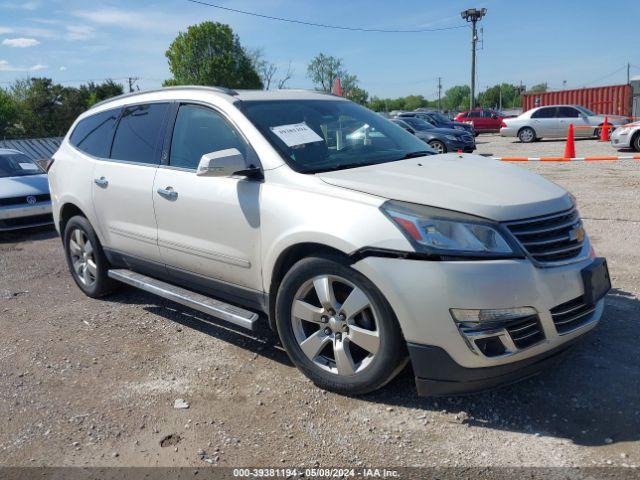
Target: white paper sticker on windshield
x=296, y=134
x=28, y=166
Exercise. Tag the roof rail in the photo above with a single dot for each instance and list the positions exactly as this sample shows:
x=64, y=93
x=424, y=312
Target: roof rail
x=226, y=91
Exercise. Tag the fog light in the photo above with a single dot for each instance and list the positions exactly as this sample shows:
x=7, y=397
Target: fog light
x=490, y=316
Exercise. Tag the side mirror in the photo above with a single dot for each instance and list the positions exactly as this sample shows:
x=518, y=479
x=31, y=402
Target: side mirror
x=223, y=163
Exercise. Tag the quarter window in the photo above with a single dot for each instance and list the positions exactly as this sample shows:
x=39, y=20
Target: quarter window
x=138, y=133
x=94, y=134
x=198, y=131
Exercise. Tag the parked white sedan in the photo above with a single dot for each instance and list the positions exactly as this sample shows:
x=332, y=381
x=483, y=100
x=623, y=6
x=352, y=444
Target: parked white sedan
x=553, y=122
x=24, y=192
x=627, y=136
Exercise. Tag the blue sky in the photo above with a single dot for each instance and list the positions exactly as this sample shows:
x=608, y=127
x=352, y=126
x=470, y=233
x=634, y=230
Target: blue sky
x=577, y=41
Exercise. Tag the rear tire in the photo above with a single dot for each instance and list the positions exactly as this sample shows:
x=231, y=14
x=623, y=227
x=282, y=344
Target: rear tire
x=438, y=146
x=337, y=327
x=527, y=135
x=86, y=259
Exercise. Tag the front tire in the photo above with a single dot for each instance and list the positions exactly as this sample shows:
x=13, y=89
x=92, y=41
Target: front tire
x=86, y=259
x=635, y=143
x=337, y=327
x=527, y=135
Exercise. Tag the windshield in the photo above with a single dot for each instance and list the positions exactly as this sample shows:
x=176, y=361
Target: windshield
x=17, y=165
x=418, y=123
x=586, y=111
x=323, y=135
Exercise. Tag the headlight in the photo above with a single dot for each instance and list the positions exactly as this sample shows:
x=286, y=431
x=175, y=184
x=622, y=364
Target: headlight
x=444, y=232
x=459, y=127
x=452, y=137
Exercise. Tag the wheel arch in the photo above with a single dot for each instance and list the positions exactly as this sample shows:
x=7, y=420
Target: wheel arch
x=634, y=138
x=67, y=211
x=289, y=257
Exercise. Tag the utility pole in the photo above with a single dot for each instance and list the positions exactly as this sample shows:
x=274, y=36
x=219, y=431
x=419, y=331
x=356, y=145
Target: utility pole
x=628, y=73
x=473, y=16
x=132, y=84
x=439, y=93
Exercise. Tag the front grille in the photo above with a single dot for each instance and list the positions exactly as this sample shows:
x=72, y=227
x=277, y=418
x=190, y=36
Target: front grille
x=5, y=202
x=551, y=238
x=571, y=315
x=25, y=221
x=526, y=332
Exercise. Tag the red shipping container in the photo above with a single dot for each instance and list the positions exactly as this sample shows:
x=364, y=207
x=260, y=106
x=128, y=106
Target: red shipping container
x=612, y=100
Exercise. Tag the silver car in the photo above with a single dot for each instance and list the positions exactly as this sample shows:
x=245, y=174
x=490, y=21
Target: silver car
x=24, y=192
x=553, y=122
x=627, y=137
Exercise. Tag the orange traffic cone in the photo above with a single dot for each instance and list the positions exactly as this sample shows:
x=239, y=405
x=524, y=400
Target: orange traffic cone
x=570, y=147
x=604, y=131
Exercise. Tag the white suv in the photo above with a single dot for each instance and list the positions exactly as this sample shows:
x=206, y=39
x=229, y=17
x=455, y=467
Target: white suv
x=348, y=235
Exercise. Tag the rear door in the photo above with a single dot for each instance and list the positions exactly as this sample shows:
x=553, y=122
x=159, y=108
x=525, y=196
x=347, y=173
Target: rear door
x=123, y=183
x=544, y=122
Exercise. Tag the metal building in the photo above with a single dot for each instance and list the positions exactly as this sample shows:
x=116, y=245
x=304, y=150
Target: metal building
x=35, y=148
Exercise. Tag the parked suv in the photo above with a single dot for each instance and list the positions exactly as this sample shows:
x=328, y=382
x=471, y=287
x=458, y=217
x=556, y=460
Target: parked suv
x=484, y=120
x=352, y=239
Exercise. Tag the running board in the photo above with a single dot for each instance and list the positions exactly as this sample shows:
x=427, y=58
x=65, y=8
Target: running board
x=224, y=311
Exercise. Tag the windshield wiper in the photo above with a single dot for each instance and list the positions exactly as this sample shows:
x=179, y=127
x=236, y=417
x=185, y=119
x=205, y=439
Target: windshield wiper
x=420, y=153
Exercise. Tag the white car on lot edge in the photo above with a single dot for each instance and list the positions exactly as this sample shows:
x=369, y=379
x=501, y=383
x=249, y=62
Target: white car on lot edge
x=24, y=192
x=628, y=136
x=553, y=122
x=361, y=251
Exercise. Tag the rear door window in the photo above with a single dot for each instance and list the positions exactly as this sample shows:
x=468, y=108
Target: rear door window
x=139, y=133
x=93, y=135
x=475, y=114
x=545, y=113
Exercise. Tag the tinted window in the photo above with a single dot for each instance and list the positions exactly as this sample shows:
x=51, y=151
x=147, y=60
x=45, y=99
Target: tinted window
x=138, y=132
x=94, y=134
x=418, y=123
x=544, y=113
x=474, y=115
x=199, y=131
x=17, y=165
x=567, y=112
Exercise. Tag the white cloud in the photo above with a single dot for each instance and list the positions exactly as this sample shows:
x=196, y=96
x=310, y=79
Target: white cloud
x=31, y=5
x=20, y=42
x=7, y=67
x=111, y=16
x=79, y=32
x=63, y=68
x=4, y=30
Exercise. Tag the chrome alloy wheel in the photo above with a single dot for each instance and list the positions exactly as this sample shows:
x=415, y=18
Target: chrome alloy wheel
x=335, y=325
x=82, y=259
x=438, y=146
x=526, y=135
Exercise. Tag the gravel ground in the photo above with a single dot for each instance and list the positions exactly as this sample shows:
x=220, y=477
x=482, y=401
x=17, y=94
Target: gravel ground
x=93, y=383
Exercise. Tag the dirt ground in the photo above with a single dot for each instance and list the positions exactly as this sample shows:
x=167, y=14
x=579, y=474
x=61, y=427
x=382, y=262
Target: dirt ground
x=93, y=383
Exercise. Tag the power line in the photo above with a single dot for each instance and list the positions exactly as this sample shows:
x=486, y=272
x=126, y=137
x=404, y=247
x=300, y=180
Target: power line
x=324, y=25
x=606, y=76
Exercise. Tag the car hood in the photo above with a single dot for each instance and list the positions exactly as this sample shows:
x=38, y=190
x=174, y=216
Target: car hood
x=24, y=185
x=465, y=183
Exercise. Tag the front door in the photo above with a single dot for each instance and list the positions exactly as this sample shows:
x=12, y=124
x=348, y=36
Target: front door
x=122, y=188
x=207, y=226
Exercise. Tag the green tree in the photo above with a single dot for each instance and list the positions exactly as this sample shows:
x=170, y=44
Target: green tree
x=506, y=94
x=8, y=113
x=457, y=98
x=323, y=70
x=211, y=54
x=539, y=88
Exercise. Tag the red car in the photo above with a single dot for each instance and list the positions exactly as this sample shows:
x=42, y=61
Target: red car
x=484, y=120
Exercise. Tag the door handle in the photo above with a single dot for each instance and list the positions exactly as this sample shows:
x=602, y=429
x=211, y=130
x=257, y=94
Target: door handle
x=101, y=182
x=169, y=193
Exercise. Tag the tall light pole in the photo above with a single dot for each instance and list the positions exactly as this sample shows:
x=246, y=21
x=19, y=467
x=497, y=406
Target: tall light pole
x=473, y=16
